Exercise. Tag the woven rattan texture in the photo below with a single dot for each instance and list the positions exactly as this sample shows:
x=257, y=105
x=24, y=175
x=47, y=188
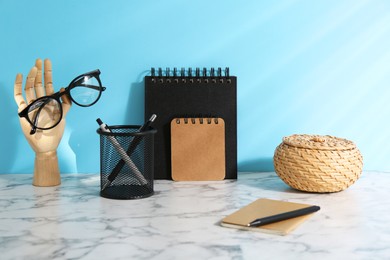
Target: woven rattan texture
x=315, y=170
x=320, y=142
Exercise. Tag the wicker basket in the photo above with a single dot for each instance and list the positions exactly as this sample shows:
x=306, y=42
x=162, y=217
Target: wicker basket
x=316, y=163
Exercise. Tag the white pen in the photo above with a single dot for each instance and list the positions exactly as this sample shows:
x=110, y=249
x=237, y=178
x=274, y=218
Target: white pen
x=122, y=153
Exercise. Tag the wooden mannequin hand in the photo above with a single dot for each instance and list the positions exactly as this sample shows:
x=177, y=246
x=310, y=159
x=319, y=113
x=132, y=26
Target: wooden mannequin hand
x=43, y=142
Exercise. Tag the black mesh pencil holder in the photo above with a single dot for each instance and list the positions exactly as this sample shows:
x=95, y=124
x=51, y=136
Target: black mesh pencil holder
x=126, y=162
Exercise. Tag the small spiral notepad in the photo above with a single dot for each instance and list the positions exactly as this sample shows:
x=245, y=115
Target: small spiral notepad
x=198, y=149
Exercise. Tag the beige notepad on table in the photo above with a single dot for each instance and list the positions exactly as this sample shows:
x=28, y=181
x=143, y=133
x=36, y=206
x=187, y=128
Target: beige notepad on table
x=264, y=208
x=198, y=149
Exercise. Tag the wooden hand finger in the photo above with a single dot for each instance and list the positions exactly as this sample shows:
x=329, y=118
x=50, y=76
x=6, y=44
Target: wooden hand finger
x=66, y=103
x=18, y=96
x=39, y=91
x=48, y=77
x=29, y=87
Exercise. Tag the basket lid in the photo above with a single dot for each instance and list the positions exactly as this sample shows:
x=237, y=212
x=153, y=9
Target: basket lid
x=319, y=142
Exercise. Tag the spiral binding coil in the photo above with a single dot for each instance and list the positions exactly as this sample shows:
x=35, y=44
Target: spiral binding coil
x=185, y=75
x=186, y=120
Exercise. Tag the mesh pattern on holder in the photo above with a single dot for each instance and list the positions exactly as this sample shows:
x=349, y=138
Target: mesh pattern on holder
x=135, y=177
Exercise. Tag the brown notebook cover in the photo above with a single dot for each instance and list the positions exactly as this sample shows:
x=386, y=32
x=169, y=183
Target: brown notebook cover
x=198, y=149
x=264, y=208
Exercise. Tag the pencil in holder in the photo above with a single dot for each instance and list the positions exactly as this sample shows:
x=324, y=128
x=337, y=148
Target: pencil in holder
x=126, y=162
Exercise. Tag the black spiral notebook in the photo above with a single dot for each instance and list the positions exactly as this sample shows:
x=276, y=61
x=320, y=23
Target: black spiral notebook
x=188, y=93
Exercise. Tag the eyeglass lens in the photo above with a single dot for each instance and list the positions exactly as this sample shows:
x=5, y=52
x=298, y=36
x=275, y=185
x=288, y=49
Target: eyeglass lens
x=86, y=90
x=45, y=114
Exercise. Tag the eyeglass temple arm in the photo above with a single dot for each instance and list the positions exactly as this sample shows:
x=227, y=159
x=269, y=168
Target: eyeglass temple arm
x=93, y=86
x=88, y=74
x=34, y=127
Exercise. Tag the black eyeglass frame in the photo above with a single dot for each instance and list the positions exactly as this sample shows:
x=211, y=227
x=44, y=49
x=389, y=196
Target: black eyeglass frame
x=57, y=95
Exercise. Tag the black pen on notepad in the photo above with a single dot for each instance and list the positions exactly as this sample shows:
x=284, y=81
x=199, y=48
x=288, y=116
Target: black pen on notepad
x=283, y=216
x=136, y=140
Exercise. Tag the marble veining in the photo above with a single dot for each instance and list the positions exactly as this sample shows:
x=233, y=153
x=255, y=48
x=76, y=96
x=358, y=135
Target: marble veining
x=181, y=220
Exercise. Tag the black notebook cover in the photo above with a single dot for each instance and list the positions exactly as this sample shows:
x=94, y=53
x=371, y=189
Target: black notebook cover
x=206, y=93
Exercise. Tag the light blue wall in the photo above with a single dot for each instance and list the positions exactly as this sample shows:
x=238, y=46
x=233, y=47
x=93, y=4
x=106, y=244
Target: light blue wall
x=302, y=66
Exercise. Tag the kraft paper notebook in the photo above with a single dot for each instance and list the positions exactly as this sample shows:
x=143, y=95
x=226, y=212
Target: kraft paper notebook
x=263, y=208
x=198, y=149
x=186, y=93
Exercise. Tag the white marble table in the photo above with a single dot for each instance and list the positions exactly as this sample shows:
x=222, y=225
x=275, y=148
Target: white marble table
x=181, y=221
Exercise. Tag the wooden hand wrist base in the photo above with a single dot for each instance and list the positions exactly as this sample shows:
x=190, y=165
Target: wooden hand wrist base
x=46, y=170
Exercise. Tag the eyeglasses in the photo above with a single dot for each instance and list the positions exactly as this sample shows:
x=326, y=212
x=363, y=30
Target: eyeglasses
x=46, y=112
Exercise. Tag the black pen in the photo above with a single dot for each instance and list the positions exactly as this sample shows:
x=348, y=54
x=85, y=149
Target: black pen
x=122, y=152
x=137, y=139
x=283, y=216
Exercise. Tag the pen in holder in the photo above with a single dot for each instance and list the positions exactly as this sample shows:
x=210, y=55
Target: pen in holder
x=126, y=161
